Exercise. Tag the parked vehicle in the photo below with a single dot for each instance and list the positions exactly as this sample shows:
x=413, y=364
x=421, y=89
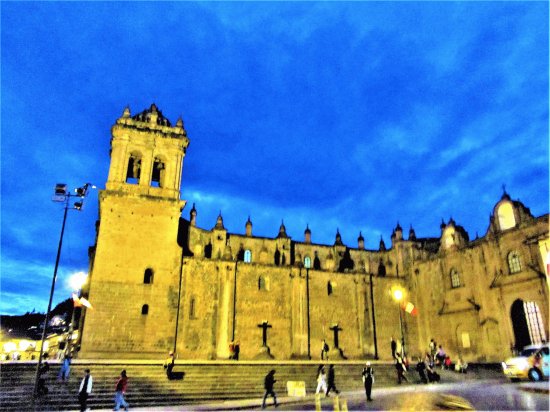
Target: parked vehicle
x=532, y=363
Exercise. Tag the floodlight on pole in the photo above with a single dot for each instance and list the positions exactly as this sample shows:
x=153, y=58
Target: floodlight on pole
x=61, y=195
x=397, y=294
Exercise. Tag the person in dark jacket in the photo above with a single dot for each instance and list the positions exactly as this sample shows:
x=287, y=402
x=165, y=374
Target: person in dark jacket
x=421, y=369
x=330, y=380
x=400, y=368
x=368, y=380
x=85, y=390
x=393, y=344
x=269, y=381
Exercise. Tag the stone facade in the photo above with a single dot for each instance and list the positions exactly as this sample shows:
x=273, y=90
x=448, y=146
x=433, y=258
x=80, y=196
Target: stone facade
x=158, y=282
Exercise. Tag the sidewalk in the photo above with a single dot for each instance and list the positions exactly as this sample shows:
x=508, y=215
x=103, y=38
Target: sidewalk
x=256, y=403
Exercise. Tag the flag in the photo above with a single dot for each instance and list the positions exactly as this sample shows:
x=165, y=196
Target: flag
x=410, y=309
x=79, y=302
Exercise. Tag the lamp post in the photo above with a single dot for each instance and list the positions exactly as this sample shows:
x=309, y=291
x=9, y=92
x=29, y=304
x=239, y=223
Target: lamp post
x=398, y=296
x=308, y=323
x=63, y=196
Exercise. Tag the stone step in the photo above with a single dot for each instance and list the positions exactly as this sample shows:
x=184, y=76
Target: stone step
x=149, y=386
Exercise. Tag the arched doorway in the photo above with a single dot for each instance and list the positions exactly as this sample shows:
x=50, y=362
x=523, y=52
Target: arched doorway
x=527, y=323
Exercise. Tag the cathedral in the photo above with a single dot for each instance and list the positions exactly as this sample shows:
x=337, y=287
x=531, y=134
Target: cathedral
x=158, y=282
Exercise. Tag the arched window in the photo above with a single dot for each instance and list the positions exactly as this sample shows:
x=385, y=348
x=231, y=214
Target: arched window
x=329, y=288
x=381, y=269
x=277, y=257
x=455, y=278
x=307, y=262
x=134, y=169
x=263, y=283
x=148, y=276
x=157, y=176
x=145, y=309
x=208, y=251
x=316, y=263
x=283, y=259
x=505, y=214
x=247, y=256
x=514, y=262
x=192, y=308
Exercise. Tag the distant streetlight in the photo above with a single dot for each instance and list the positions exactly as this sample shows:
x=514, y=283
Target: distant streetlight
x=397, y=295
x=62, y=195
x=76, y=281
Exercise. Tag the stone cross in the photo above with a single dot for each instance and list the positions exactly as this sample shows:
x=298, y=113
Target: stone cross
x=264, y=325
x=335, y=328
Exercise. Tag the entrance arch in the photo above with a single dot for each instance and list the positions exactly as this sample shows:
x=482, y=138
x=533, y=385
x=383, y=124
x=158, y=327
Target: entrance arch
x=527, y=323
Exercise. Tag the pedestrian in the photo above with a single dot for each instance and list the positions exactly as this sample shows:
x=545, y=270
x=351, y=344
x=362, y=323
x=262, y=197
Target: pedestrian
x=41, y=388
x=393, y=344
x=433, y=348
x=169, y=364
x=368, y=380
x=324, y=350
x=237, y=350
x=330, y=380
x=85, y=390
x=421, y=369
x=65, y=368
x=321, y=380
x=400, y=368
x=269, y=381
x=440, y=356
x=120, y=391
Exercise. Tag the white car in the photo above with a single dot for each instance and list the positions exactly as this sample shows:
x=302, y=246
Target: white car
x=532, y=363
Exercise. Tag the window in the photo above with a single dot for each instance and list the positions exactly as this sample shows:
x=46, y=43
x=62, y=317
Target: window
x=157, y=178
x=307, y=262
x=145, y=309
x=514, y=262
x=247, y=256
x=455, y=278
x=192, y=307
x=277, y=257
x=263, y=283
x=506, y=218
x=316, y=263
x=148, y=276
x=134, y=169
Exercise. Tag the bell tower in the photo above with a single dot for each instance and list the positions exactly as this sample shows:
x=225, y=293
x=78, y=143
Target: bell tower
x=136, y=262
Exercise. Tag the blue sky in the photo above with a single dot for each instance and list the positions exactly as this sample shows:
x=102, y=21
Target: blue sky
x=337, y=115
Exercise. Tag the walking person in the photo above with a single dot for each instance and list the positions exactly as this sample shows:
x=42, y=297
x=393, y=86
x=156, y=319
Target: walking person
x=440, y=356
x=237, y=350
x=65, y=368
x=85, y=390
x=269, y=381
x=321, y=380
x=393, y=344
x=400, y=368
x=324, y=350
x=368, y=380
x=120, y=391
x=330, y=381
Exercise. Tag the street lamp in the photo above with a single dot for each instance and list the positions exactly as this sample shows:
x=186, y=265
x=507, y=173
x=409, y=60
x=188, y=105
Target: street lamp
x=62, y=195
x=397, y=295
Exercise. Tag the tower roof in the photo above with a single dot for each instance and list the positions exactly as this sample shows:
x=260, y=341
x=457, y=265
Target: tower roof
x=145, y=116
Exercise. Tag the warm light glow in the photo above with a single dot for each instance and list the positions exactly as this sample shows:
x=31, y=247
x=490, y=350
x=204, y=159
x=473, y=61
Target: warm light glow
x=77, y=280
x=398, y=294
x=9, y=347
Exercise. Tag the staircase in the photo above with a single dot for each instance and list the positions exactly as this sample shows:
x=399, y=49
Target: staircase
x=200, y=382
